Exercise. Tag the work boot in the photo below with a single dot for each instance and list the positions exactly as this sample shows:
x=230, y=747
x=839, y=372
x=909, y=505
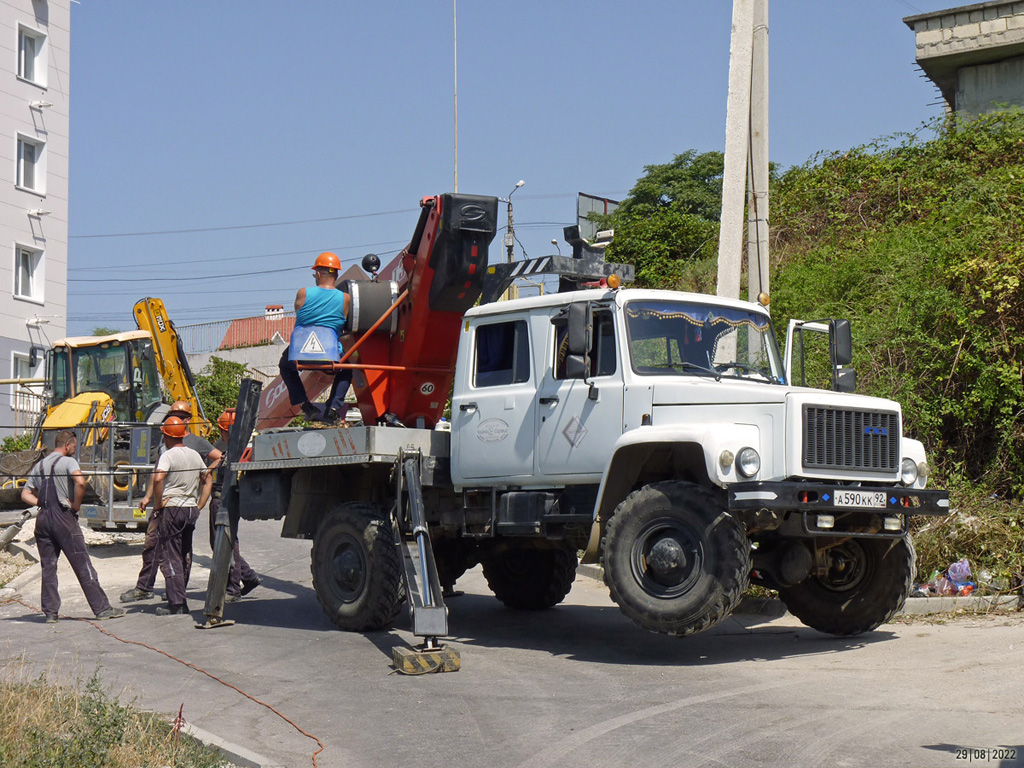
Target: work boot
x=172, y=610
x=311, y=412
x=232, y=598
x=134, y=594
x=51, y=619
x=110, y=613
x=333, y=418
x=250, y=585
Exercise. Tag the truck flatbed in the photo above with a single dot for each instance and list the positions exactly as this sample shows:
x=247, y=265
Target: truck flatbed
x=293, y=447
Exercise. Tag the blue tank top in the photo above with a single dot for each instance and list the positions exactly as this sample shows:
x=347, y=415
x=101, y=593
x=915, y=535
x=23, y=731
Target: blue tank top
x=323, y=306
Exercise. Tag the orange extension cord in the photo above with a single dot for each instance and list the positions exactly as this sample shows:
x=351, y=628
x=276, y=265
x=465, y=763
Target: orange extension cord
x=235, y=688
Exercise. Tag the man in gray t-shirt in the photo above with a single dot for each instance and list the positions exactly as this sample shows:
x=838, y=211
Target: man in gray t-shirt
x=143, y=589
x=57, y=486
x=180, y=487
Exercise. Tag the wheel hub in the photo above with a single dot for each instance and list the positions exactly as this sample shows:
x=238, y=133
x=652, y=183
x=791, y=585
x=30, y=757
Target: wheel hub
x=349, y=571
x=667, y=560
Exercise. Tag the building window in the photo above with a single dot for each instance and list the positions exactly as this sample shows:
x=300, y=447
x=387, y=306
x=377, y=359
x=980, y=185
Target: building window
x=24, y=399
x=31, y=55
x=31, y=165
x=28, y=273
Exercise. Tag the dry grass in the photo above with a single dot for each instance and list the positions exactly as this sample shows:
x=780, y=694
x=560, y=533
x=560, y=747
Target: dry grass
x=11, y=566
x=43, y=725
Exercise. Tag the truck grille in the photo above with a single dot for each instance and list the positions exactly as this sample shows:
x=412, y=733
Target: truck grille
x=856, y=440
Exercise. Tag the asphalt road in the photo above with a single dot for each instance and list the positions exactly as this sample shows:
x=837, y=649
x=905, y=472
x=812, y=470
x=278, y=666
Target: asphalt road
x=576, y=685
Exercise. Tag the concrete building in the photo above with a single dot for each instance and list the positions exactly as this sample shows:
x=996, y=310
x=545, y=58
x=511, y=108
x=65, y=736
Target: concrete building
x=974, y=54
x=34, y=62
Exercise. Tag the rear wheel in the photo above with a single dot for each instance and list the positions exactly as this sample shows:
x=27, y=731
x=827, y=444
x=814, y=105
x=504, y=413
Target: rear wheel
x=861, y=585
x=674, y=560
x=529, y=578
x=356, y=569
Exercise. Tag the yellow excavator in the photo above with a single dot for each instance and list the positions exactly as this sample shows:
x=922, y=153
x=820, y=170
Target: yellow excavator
x=107, y=389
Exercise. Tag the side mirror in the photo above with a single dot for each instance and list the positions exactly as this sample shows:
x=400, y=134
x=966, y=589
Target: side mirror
x=33, y=355
x=580, y=339
x=841, y=341
x=581, y=328
x=846, y=380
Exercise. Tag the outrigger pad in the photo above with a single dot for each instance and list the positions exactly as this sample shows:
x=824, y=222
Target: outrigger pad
x=420, y=661
x=213, y=623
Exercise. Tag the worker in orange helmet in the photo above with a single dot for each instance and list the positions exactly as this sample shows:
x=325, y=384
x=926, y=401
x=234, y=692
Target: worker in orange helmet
x=181, y=487
x=143, y=589
x=242, y=579
x=324, y=305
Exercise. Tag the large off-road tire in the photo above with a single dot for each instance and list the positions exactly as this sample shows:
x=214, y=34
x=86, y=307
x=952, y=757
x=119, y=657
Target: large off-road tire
x=124, y=480
x=529, y=578
x=674, y=560
x=867, y=583
x=356, y=568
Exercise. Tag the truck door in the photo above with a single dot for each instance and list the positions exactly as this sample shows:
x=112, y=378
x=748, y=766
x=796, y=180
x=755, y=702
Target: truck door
x=578, y=421
x=494, y=405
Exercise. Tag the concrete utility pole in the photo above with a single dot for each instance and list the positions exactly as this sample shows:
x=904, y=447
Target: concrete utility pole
x=746, y=153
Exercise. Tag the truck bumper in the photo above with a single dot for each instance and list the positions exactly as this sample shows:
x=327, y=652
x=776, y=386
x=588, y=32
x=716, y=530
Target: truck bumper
x=821, y=498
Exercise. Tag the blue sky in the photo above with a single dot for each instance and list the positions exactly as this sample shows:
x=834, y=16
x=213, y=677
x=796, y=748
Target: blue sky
x=253, y=135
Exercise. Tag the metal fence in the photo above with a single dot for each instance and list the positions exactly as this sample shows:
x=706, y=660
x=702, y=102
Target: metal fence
x=202, y=338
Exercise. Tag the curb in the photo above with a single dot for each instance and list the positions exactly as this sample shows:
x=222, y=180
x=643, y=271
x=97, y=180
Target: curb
x=237, y=755
x=914, y=606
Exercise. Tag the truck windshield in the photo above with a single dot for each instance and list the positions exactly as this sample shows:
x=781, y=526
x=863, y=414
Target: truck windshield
x=677, y=337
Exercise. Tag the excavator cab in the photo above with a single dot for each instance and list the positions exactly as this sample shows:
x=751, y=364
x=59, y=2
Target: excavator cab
x=121, y=367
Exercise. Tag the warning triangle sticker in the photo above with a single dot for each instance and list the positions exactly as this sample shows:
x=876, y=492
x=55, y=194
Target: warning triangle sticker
x=312, y=346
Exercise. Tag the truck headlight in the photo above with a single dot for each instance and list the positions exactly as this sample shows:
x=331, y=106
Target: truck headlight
x=748, y=463
x=908, y=472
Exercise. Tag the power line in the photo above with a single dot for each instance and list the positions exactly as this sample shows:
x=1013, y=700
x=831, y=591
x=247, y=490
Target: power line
x=241, y=226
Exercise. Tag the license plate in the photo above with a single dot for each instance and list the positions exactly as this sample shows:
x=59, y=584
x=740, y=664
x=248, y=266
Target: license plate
x=866, y=499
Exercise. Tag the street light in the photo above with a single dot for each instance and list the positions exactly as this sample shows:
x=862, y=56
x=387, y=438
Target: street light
x=554, y=242
x=510, y=238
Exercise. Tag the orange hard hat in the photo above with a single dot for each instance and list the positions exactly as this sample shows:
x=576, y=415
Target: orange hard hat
x=181, y=406
x=174, y=427
x=226, y=419
x=327, y=260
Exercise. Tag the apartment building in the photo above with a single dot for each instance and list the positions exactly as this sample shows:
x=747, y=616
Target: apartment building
x=34, y=66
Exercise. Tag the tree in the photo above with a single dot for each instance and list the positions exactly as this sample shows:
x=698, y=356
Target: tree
x=104, y=331
x=217, y=386
x=667, y=227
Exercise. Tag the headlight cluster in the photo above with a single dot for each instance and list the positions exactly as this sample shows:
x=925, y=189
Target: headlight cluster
x=911, y=470
x=748, y=462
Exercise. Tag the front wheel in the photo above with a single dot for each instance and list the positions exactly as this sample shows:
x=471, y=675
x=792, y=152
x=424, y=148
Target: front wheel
x=356, y=569
x=674, y=559
x=861, y=584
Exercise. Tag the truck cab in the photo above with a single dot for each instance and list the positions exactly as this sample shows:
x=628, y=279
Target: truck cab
x=683, y=403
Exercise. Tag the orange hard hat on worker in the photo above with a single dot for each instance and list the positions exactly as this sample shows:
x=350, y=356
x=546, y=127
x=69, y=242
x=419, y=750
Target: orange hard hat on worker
x=181, y=406
x=327, y=260
x=174, y=427
x=226, y=419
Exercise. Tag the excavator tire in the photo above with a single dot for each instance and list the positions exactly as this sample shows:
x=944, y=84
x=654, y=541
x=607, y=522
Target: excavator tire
x=529, y=578
x=356, y=569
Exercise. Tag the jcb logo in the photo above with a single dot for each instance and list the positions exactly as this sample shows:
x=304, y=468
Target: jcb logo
x=108, y=412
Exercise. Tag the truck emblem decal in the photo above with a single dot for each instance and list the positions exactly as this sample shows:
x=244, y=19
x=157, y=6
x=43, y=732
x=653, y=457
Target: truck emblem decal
x=472, y=213
x=492, y=431
x=882, y=431
x=575, y=432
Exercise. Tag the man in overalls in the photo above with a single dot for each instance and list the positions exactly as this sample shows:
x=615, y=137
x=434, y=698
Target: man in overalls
x=49, y=487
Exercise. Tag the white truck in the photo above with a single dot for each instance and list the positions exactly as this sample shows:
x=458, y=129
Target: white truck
x=658, y=433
